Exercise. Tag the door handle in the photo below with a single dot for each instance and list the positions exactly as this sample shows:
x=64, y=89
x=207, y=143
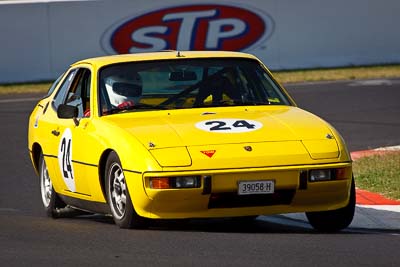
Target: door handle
x=55, y=132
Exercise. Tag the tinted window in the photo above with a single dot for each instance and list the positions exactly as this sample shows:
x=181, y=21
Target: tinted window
x=79, y=92
x=62, y=91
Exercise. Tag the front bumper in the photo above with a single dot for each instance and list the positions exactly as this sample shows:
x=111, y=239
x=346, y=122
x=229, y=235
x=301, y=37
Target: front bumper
x=217, y=196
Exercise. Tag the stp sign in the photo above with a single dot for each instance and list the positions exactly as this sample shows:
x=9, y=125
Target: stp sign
x=191, y=27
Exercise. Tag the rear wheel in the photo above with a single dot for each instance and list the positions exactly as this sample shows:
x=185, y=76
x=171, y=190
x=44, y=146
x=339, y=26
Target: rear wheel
x=51, y=201
x=334, y=220
x=118, y=196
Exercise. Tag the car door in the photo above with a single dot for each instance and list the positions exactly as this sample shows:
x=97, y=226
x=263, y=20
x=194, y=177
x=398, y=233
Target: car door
x=67, y=140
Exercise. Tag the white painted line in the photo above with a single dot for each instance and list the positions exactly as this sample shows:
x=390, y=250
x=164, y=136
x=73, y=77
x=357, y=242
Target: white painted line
x=388, y=148
x=393, y=208
x=376, y=82
x=8, y=210
x=16, y=2
x=15, y=100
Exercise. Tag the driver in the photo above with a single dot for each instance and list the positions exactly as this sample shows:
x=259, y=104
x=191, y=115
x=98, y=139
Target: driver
x=124, y=91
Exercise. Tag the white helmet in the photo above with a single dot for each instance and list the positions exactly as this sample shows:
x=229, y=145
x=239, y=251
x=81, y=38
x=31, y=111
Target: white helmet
x=123, y=88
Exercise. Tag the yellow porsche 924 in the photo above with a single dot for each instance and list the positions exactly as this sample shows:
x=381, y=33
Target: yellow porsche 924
x=171, y=135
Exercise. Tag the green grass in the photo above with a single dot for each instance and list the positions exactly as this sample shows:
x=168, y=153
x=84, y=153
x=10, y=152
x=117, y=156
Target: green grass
x=26, y=88
x=379, y=173
x=334, y=74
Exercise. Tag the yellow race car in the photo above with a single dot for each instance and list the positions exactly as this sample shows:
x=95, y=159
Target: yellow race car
x=179, y=134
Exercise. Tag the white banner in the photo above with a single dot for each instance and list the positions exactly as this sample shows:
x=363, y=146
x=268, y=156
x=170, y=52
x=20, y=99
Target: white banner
x=40, y=39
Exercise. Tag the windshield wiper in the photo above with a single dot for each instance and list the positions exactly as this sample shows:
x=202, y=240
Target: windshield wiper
x=253, y=103
x=147, y=106
x=139, y=106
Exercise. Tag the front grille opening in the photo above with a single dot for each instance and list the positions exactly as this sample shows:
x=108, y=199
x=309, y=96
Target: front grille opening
x=233, y=200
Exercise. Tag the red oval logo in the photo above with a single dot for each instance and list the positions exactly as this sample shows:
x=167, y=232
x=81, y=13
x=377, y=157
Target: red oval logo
x=194, y=27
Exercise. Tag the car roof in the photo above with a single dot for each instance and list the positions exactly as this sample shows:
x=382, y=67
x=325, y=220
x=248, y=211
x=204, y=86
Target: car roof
x=162, y=55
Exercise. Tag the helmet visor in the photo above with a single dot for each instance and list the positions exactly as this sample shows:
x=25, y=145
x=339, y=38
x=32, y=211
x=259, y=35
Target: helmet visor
x=127, y=89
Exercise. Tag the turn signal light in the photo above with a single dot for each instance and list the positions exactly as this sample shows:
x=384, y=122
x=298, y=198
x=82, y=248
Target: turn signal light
x=175, y=182
x=340, y=173
x=159, y=183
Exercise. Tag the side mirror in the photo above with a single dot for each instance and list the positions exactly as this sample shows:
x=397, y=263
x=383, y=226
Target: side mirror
x=67, y=112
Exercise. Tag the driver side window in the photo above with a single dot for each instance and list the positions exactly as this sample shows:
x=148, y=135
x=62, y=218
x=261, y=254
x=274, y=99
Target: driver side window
x=62, y=92
x=79, y=93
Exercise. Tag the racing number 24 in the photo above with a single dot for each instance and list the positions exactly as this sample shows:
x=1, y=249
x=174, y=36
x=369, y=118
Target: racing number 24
x=221, y=125
x=66, y=160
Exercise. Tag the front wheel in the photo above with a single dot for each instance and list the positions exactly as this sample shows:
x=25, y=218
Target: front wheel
x=51, y=201
x=118, y=196
x=334, y=220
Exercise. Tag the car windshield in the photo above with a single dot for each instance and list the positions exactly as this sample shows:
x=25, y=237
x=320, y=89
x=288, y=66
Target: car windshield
x=186, y=83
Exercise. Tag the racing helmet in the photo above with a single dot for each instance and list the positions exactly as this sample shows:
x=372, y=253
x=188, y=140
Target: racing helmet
x=124, y=88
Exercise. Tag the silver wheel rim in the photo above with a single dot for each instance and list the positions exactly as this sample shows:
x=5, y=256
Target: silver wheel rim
x=117, y=190
x=45, y=184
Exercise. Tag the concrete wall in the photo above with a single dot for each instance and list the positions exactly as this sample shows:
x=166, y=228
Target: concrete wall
x=39, y=39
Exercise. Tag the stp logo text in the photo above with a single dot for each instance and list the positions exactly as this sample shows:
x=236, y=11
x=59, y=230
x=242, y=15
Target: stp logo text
x=194, y=27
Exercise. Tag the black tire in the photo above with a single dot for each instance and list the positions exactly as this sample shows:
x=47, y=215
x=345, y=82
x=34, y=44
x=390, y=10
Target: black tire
x=334, y=220
x=51, y=201
x=118, y=196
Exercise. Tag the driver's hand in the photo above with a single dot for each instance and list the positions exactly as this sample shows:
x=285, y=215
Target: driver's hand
x=126, y=104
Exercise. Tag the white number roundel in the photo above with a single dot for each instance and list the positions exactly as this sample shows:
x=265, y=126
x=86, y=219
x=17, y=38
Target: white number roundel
x=65, y=159
x=229, y=125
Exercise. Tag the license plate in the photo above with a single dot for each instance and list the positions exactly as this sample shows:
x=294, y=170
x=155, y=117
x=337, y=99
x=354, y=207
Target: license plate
x=256, y=187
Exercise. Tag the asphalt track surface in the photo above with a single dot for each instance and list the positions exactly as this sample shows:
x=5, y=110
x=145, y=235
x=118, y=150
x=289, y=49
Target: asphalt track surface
x=367, y=113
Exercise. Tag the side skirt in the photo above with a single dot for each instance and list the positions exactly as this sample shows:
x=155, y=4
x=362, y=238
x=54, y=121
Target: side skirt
x=91, y=206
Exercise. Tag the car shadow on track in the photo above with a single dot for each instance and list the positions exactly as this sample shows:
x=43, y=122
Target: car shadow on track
x=366, y=221
x=234, y=225
x=223, y=225
x=227, y=225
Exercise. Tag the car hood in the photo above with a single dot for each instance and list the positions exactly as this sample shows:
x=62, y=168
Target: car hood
x=272, y=130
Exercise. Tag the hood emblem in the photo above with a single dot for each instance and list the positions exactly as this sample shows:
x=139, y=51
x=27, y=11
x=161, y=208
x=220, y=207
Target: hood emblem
x=248, y=148
x=209, y=153
x=329, y=136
